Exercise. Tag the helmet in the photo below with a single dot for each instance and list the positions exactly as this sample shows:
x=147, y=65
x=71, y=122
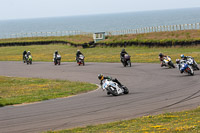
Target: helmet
x=160, y=54
x=28, y=52
x=123, y=50
x=100, y=76
x=182, y=56
x=56, y=52
x=177, y=61
x=78, y=50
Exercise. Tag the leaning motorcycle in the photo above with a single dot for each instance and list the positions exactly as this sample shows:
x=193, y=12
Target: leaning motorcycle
x=29, y=59
x=126, y=60
x=167, y=61
x=80, y=60
x=114, y=88
x=57, y=60
x=184, y=67
x=193, y=63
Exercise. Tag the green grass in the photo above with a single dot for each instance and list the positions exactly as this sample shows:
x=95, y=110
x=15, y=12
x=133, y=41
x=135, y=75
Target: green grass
x=77, y=39
x=178, y=122
x=138, y=54
x=156, y=37
x=26, y=90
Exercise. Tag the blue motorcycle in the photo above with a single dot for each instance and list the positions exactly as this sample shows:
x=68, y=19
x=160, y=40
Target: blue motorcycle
x=184, y=67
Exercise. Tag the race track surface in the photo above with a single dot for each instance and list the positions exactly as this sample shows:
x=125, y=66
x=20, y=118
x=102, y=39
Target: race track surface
x=153, y=90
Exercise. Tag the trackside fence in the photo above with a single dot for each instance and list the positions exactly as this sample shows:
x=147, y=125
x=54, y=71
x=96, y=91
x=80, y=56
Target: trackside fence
x=156, y=29
x=120, y=32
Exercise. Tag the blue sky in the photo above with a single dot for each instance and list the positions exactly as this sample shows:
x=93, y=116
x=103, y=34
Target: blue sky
x=20, y=9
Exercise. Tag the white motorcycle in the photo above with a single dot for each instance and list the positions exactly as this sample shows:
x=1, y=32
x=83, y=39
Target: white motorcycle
x=114, y=88
x=192, y=63
x=81, y=60
x=57, y=60
x=167, y=61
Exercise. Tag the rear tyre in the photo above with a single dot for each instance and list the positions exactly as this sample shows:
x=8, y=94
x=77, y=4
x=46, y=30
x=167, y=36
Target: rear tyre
x=171, y=64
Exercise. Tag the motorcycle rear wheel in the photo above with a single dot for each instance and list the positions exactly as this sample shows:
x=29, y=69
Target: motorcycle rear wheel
x=171, y=64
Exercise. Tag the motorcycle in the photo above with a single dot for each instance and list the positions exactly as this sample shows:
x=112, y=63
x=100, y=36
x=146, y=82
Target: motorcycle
x=184, y=67
x=167, y=61
x=57, y=60
x=29, y=59
x=80, y=60
x=126, y=60
x=193, y=63
x=113, y=88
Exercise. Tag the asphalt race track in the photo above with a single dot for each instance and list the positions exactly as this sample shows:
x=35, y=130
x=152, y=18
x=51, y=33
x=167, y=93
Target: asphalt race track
x=153, y=90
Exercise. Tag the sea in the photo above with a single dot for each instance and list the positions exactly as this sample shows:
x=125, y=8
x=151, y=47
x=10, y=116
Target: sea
x=101, y=22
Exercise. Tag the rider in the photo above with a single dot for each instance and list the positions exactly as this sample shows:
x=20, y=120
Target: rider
x=55, y=55
x=28, y=53
x=185, y=57
x=123, y=52
x=24, y=53
x=101, y=77
x=78, y=53
x=162, y=56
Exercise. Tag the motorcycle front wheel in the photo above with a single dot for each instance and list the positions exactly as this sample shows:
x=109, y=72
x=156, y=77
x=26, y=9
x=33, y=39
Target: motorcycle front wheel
x=129, y=63
x=126, y=91
x=114, y=93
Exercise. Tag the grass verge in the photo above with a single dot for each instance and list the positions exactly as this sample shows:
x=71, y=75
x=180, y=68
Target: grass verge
x=15, y=90
x=138, y=54
x=178, y=122
x=156, y=37
x=77, y=39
